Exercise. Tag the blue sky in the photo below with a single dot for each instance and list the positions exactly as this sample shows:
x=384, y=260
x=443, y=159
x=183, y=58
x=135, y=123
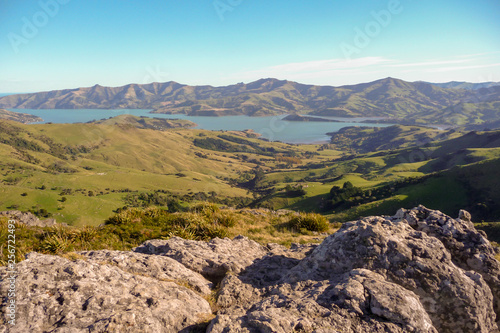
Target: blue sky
x=56, y=44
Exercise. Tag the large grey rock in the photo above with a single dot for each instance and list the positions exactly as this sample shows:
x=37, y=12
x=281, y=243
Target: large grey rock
x=469, y=248
x=373, y=275
x=30, y=219
x=55, y=294
x=213, y=259
x=157, y=267
x=411, y=259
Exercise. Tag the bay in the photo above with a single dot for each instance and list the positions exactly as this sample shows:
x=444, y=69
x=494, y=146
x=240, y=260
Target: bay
x=273, y=128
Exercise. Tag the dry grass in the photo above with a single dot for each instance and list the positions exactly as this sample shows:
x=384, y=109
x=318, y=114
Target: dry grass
x=265, y=227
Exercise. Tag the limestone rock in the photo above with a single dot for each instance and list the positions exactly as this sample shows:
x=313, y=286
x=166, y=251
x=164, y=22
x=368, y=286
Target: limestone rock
x=29, y=219
x=468, y=247
x=55, y=294
x=158, y=267
x=213, y=259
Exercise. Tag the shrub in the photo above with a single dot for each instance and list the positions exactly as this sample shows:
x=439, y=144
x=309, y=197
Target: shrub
x=309, y=221
x=205, y=208
x=225, y=219
x=55, y=244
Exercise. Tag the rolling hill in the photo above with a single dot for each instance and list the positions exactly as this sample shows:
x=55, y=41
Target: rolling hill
x=19, y=117
x=466, y=85
x=395, y=100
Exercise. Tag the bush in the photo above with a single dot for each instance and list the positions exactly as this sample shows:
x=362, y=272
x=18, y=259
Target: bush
x=225, y=219
x=309, y=221
x=205, y=208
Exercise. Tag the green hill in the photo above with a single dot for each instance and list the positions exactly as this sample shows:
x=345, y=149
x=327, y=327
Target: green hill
x=81, y=173
x=159, y=124
x=424, y=172
x=95, y=166
x=370, y=139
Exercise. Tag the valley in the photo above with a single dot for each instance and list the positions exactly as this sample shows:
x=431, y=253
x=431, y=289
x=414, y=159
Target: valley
x=81, y=173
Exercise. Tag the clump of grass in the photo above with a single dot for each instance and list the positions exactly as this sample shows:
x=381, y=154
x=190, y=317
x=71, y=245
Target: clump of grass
x=310, y=222
x=73, y=256
x=205, y=208
x=55, y=244
x=225, y=219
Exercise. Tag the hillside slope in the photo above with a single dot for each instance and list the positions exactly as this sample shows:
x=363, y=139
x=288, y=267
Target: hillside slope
x=19, y=116
x=95, y=166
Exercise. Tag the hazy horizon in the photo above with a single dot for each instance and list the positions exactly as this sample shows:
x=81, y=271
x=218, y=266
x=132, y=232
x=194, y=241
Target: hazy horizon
x=68, y=88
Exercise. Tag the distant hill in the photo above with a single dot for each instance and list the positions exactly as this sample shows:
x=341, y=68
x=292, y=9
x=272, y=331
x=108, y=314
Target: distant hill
x=19, y=117
x=159, y=124
x=396, y=100
x=465, y=85
x=370, y=139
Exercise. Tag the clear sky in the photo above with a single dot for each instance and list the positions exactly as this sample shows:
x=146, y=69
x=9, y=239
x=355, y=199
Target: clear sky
x=56, y=44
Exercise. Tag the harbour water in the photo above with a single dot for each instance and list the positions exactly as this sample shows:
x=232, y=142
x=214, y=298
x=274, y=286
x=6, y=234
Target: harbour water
x=273, y=128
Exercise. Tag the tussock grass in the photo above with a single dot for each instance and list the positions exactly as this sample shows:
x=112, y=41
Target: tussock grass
x=310, y=222
x=133, y=226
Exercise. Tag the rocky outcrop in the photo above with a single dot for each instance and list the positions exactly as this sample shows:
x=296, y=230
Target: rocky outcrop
x=55, y=294
x=29, y=219
x=213, y=259
x=418, y=271
x=157, y=267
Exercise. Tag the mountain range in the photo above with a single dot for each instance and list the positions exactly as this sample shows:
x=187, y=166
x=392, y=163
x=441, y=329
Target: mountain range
x=392, y=99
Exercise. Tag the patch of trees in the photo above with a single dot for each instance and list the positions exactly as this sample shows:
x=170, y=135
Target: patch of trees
x=232, y=144
x=346, y=194
x=21, y=143
x=288, y=159
x=349, y=195
x=215, y=144
x=174, y=202
x=294, y=191
x=60, y=167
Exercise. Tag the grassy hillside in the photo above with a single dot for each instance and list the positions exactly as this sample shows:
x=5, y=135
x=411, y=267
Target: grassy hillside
x=370, y=139
x=159, y=124
x=406, y=177
x=473, y=187
x=96, y=167
x=81, y=173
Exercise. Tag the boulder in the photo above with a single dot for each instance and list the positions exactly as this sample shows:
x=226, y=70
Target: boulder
x=30, y=219
x=54, y=294
x=468, y=247
x=211, y=259
x=158, y=267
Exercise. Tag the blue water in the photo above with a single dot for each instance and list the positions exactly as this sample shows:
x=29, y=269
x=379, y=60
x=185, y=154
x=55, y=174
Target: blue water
x=273, y=128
